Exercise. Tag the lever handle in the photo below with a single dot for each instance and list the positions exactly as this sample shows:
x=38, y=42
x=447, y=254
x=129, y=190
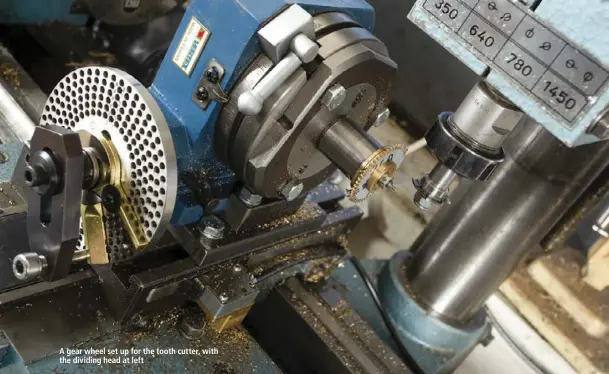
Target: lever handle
x=303, y=50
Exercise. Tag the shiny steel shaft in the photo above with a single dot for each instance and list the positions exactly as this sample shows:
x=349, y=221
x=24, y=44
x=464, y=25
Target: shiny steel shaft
x=473, y=245
x=347, y=147
x=485, y=118
x=21, y=101
x=15, y=125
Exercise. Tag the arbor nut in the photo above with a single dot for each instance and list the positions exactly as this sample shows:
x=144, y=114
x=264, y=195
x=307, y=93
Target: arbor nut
x=41, y=173
x=28, y=266
x=292, y=190
x=334, y=97
x=35, y=176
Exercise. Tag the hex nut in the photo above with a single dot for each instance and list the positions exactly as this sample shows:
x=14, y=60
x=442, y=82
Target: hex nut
x=192, y=324
x=381, y=118
x=212, y=228
x=336, y=178
x=334, y=97
x=249, y=198
x=292, y=190
x=140, y=323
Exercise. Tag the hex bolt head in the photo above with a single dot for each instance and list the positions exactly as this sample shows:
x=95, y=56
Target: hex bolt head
x=27, y=266
x=336, y=178
x=249, y=198
x=292, y=189
x=140, y=322
x=237, y=268
x=334, y=97
x=381, y=118
x=223, y=297
x=192, y=324
x=212, y=228
x=191, y=329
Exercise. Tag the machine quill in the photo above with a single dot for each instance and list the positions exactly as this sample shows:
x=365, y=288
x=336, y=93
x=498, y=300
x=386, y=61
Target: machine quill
x=181, y=183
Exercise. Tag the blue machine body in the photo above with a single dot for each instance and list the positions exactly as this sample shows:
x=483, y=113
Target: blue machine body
x=233, y=43
x=438, y=346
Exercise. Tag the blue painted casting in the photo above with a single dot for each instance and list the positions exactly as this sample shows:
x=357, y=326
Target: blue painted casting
x=233, y=43
x=437, y=346
x=9, y=155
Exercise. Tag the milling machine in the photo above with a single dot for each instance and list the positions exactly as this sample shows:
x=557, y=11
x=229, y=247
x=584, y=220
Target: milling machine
x=204, y=178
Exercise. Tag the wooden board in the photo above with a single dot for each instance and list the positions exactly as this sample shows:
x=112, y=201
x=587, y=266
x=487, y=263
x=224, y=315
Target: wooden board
x=597, y=268
x=560, y=275
x=586, y=354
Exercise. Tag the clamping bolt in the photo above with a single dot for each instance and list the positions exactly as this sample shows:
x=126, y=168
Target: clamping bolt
x=303, y=50
x=27, y=266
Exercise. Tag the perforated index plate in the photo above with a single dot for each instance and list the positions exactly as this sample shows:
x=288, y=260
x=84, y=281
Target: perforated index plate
x=99, y=99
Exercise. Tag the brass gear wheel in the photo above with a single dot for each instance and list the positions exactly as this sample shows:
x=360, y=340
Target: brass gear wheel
x=378, y=167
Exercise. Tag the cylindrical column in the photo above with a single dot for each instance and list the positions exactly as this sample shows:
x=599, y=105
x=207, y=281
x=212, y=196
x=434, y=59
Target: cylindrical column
x=473, y=245
x=347, y=147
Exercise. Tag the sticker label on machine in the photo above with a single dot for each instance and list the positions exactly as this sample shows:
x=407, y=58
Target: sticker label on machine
x=191, y=45
x=550, y=68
